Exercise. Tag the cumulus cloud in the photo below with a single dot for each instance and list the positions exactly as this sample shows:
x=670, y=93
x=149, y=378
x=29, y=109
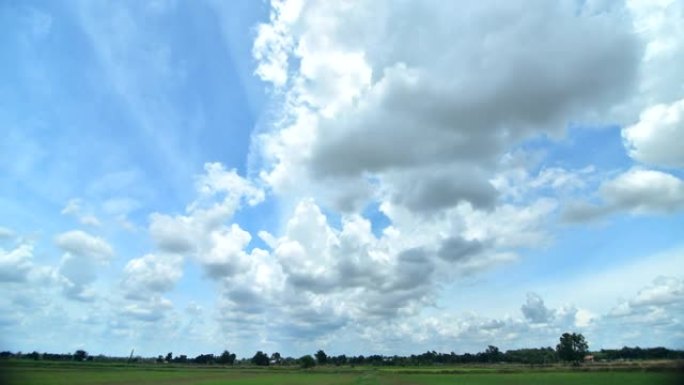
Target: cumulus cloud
x=420, y=124
x=636, y=191
x=535, y=311
x=658, y=308
x=205, y=234
x=78, y=268
x=470, y=331
x=457, y=248
x=370, y=97
x=658, y=135
x=663, y=292
x=151, y=274
x=16, y=264
x=82, y=244
x=173, y=234
x=148, y=311
x=220, y=194
x=318, y=278
x=652, y=137
x=413, y=109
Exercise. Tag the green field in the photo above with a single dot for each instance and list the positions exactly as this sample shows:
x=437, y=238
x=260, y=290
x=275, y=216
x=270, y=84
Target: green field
x=92, y=374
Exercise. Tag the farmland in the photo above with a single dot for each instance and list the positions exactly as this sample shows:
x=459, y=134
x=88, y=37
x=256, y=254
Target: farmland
x=48, y=373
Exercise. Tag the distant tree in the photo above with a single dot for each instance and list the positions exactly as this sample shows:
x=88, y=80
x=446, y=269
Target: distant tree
x=339, y=360
x=572, y=347
x=226, y=358
x=169, y=357
x=493, y=354
x=205, y=359
x=80, y=355
x=160, y=359
x=276, y=358
x=321, y=357
x=307, y=362
x=260, y=358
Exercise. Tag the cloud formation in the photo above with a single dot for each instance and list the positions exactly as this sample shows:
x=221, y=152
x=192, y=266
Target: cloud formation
x=82, y=244
x=636, y=191
x=84, y=255
x=656, y=138
x=406, y=161
x=427, y=115
x=16, y=264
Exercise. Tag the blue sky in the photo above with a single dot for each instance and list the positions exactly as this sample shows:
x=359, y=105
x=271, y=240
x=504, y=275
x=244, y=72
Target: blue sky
x=359, y=177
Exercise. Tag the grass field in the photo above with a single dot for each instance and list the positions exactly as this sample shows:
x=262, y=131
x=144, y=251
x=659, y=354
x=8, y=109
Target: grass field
x=37, y=373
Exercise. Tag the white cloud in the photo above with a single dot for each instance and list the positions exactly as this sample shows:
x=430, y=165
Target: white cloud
x=636, y=191
x=663, y=291
x=16, y=264
x=584, y=318
x=148, y=311
x=150, y=274
x=82, y=244
x=172, y=234
x=272, y=43
x=658, y=135
x=84, y=255
x=658, y=24
x=658, y=308
x=220, y=194
x=415, y=111
x=653, y=136
x=644, y=191
x=535, y=311
x=411, y=108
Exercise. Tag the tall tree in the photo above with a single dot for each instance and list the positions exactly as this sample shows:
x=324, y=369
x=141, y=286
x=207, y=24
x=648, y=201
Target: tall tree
x=226, y=358
x=80, y=355
x=307, y=361
x=493, y=354
x=260, y=358
x=321, y=357
x=572, y=347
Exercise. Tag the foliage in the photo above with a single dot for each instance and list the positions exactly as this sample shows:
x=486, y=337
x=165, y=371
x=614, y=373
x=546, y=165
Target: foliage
x=531, y=356
x=572, y=347
x=260, y=358
x=205, y=359
x=306, y=361
x=80, y=355
x=493, y=354
x=321, y=357
x=226, y=358
x=637, y=353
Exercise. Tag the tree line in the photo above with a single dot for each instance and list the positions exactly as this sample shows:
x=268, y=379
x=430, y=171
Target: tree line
x=571, y=348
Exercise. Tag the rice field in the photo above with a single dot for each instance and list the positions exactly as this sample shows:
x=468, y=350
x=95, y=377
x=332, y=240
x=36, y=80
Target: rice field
x=38, y=373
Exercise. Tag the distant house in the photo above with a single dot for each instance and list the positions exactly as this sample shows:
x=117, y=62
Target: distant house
x=589, y=358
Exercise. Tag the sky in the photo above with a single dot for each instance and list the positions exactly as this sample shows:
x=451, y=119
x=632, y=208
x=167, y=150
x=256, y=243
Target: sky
x=367, y=177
